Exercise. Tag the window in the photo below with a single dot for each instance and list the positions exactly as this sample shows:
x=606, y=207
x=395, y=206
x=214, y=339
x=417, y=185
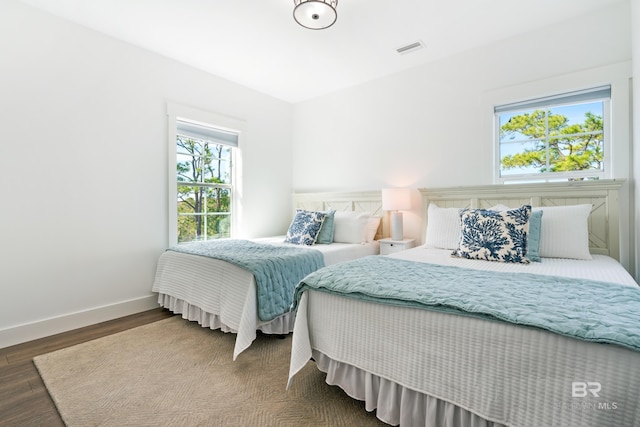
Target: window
x=204, y=178
x=204, y=162
x=563, y=137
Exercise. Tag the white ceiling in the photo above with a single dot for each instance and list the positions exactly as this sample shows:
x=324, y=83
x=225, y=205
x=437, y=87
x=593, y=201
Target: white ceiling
x=256, y=43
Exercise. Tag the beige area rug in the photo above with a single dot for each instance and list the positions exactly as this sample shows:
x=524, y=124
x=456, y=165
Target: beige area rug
x=175, y=373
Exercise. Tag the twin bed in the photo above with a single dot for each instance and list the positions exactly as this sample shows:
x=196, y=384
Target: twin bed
x=569, y=354
x=219, y=294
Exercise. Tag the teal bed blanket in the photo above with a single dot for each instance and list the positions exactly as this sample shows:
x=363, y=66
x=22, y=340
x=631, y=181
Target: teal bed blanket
x=579, y=308
x=277, y=269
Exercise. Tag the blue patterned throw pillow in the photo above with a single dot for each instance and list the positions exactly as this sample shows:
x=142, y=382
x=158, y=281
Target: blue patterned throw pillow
x=305, y=227
x=494, y=235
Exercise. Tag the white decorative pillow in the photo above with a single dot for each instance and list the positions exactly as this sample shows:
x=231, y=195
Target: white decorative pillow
x=372, y=228
x=564, y=231
x=350, y=227
x=443, y=227
x=305, y=227
x=494, y=235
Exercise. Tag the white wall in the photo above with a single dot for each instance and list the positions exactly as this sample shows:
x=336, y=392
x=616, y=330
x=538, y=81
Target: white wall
x=635, y=35
x=83, y=169
x=431, y=126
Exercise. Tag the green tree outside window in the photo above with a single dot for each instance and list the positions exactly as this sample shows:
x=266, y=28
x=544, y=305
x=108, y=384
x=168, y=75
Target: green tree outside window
x=562, y=136
x=204, y=189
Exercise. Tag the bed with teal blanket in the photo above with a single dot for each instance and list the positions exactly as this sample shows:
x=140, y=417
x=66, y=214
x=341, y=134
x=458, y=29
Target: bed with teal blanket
x=242, y=286
x=277, y=269
x=421, y=337
x=495, y=320
x=552, y=304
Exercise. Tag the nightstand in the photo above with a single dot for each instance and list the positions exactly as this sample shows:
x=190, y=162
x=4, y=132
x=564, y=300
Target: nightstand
x=390, y=246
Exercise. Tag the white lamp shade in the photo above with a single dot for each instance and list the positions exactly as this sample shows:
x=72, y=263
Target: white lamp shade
x=396, y=199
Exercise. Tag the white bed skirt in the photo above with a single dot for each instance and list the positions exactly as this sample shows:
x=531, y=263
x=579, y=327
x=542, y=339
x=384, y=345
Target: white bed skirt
x=393, y=403
x=281, y=325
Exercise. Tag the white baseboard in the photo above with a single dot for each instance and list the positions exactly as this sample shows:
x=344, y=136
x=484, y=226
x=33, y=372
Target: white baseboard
x=55, y=325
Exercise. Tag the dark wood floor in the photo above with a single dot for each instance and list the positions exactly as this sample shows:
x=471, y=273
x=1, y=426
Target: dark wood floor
x=24, y=400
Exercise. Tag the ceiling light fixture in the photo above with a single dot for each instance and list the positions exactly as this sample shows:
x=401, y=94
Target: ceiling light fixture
x=315, y=14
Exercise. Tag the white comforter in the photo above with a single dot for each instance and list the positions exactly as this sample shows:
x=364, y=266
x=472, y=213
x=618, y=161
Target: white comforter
x=512, y=375
x=601, y=268
x=220, y=295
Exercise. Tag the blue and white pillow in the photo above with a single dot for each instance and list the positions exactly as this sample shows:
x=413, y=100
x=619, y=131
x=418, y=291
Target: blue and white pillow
x=533, y=238
x=305, y=227
x=494, y=235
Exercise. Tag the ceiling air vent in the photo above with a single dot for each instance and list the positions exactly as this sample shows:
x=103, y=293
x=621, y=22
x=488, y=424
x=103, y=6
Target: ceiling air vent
x=411, y=47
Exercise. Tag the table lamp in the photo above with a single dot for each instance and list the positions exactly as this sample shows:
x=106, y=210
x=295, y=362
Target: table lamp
x=395, y=200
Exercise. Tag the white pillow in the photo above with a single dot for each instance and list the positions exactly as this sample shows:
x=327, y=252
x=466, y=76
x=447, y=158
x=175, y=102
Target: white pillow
x=372, y=228
x=565, y=231
x=350, y=227
x=443, y=227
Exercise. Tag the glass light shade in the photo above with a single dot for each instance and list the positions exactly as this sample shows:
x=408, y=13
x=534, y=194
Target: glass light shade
x=396, y=199
x=315, y=14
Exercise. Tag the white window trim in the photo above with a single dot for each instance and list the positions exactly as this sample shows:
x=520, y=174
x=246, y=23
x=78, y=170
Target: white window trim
x=616, y=75
x=177, y=111
x=556, y=176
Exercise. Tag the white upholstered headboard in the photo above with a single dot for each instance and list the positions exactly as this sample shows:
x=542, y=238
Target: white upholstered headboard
x=361, y=201
x=604, y=227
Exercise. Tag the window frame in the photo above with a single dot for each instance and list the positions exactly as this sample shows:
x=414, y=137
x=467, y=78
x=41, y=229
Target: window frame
x=177, y=112
x=593, y=94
